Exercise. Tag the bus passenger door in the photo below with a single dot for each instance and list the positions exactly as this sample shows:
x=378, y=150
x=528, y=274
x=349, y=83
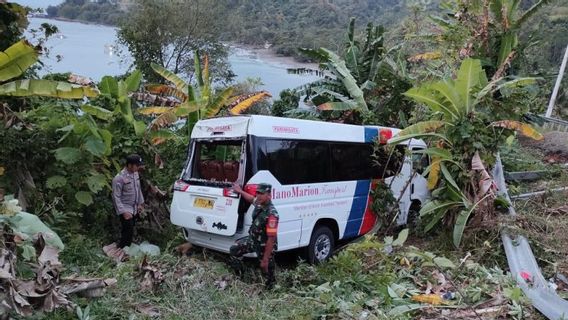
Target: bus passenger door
x=401, y=189
x=419, y=187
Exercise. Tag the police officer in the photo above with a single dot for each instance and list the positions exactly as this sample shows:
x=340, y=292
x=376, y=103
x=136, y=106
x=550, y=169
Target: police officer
x=127, y=197
x=262, y=233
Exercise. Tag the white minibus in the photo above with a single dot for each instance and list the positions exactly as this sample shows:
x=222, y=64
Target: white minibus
x=321, y=174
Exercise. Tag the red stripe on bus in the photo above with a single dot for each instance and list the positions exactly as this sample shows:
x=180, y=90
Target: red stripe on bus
x=369, y=218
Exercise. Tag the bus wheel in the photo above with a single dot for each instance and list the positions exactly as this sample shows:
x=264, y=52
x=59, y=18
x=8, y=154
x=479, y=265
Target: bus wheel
x=413, y=218
x=321, y=245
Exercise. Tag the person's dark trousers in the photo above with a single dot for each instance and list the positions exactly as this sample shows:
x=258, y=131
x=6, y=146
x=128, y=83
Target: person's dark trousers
x=244, y=246
x=127, y=231
x=270, y=275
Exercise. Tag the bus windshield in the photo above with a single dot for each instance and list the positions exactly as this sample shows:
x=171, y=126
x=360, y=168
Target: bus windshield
x=216, y=161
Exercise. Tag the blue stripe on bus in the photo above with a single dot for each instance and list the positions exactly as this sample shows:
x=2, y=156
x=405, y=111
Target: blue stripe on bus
x=357, y=209
x=371, y=134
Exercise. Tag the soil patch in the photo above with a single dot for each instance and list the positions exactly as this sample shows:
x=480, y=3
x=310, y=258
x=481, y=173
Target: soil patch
x=554, y=146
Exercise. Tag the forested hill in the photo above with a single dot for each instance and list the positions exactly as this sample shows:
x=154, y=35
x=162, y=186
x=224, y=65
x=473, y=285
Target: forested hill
x=289, y=24
x=107, y=12
x=286, y=24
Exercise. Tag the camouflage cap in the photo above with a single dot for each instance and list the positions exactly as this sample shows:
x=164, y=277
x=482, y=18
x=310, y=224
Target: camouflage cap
x=264, y=188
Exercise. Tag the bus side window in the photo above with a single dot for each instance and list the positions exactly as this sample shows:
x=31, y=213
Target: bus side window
x=420, y=161
x=298, y=161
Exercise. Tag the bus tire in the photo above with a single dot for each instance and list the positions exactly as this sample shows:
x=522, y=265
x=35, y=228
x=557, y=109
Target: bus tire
x=322, y=243
x=413, y=218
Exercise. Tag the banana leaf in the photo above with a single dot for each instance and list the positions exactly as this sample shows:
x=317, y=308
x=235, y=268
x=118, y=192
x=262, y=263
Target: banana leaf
x=530, y=12
x=434, y=173
x=164, y=120
x=206, y=87
x=507, y=44
x=338, y=106
x=139, y=127
x=133, y=81
x=352, y=53
x=448, y=176
x=96, y=111
x=435, y=205
x=16, y=60
x=220, y=100
x=170, y=76
x=435, y=219
x=154, y=110
x=347, y=79
x=399, y=139
x=239, y=106
x=160, y=136
x=424, y=94
x=523, y=128
x=453, y=101
x=197, y=67
x=319, y=55
x=46, y=88
x=422, y=127
x=109, y=86
x=461, y=222
x=499, y=84
x=470, y=76
x=166, y=90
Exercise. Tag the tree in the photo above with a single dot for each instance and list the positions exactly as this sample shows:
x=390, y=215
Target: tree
x=466, y=131
x=51, y=11
x=289, y=100
x=167, y=32
x=13, y=22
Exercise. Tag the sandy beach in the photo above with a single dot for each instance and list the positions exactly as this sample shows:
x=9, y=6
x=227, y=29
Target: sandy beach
x=268, y=55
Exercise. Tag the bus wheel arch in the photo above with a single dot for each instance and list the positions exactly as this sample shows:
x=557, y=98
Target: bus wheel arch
x=413, y=217
x=322, y=241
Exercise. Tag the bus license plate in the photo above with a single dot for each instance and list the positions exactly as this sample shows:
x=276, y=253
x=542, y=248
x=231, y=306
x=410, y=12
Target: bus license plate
x=203, y=203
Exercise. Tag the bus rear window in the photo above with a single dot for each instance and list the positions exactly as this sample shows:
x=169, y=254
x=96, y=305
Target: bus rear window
x=216, y=161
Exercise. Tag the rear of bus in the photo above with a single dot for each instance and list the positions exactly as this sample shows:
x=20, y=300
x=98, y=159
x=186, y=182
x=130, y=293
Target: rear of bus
x=203, y=202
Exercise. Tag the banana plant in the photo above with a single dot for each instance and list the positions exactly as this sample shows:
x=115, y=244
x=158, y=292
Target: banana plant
x=493, y=26
x=89, y=136
x=190, y=102
x=120, y=91
x=465, y=134
x=16, y=60
x=508, y=15
x=363, y=78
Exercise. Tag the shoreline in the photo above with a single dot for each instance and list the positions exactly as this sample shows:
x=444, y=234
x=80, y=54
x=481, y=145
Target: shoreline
x=72, y=20
x=261, y=52
x=270, y=56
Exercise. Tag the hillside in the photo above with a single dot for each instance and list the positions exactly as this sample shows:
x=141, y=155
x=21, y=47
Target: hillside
x=286, y=25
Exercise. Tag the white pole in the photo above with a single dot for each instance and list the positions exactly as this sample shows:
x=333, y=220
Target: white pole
x=557, y=85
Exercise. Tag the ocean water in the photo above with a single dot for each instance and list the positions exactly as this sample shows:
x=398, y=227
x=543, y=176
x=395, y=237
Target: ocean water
x=88, y=50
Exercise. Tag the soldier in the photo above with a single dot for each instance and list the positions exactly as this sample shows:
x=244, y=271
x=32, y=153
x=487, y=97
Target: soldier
x=262, y=233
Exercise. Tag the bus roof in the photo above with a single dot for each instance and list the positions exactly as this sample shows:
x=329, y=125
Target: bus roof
x=284, y=128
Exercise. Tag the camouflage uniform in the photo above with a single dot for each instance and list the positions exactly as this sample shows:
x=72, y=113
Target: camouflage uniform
x=265, y=223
